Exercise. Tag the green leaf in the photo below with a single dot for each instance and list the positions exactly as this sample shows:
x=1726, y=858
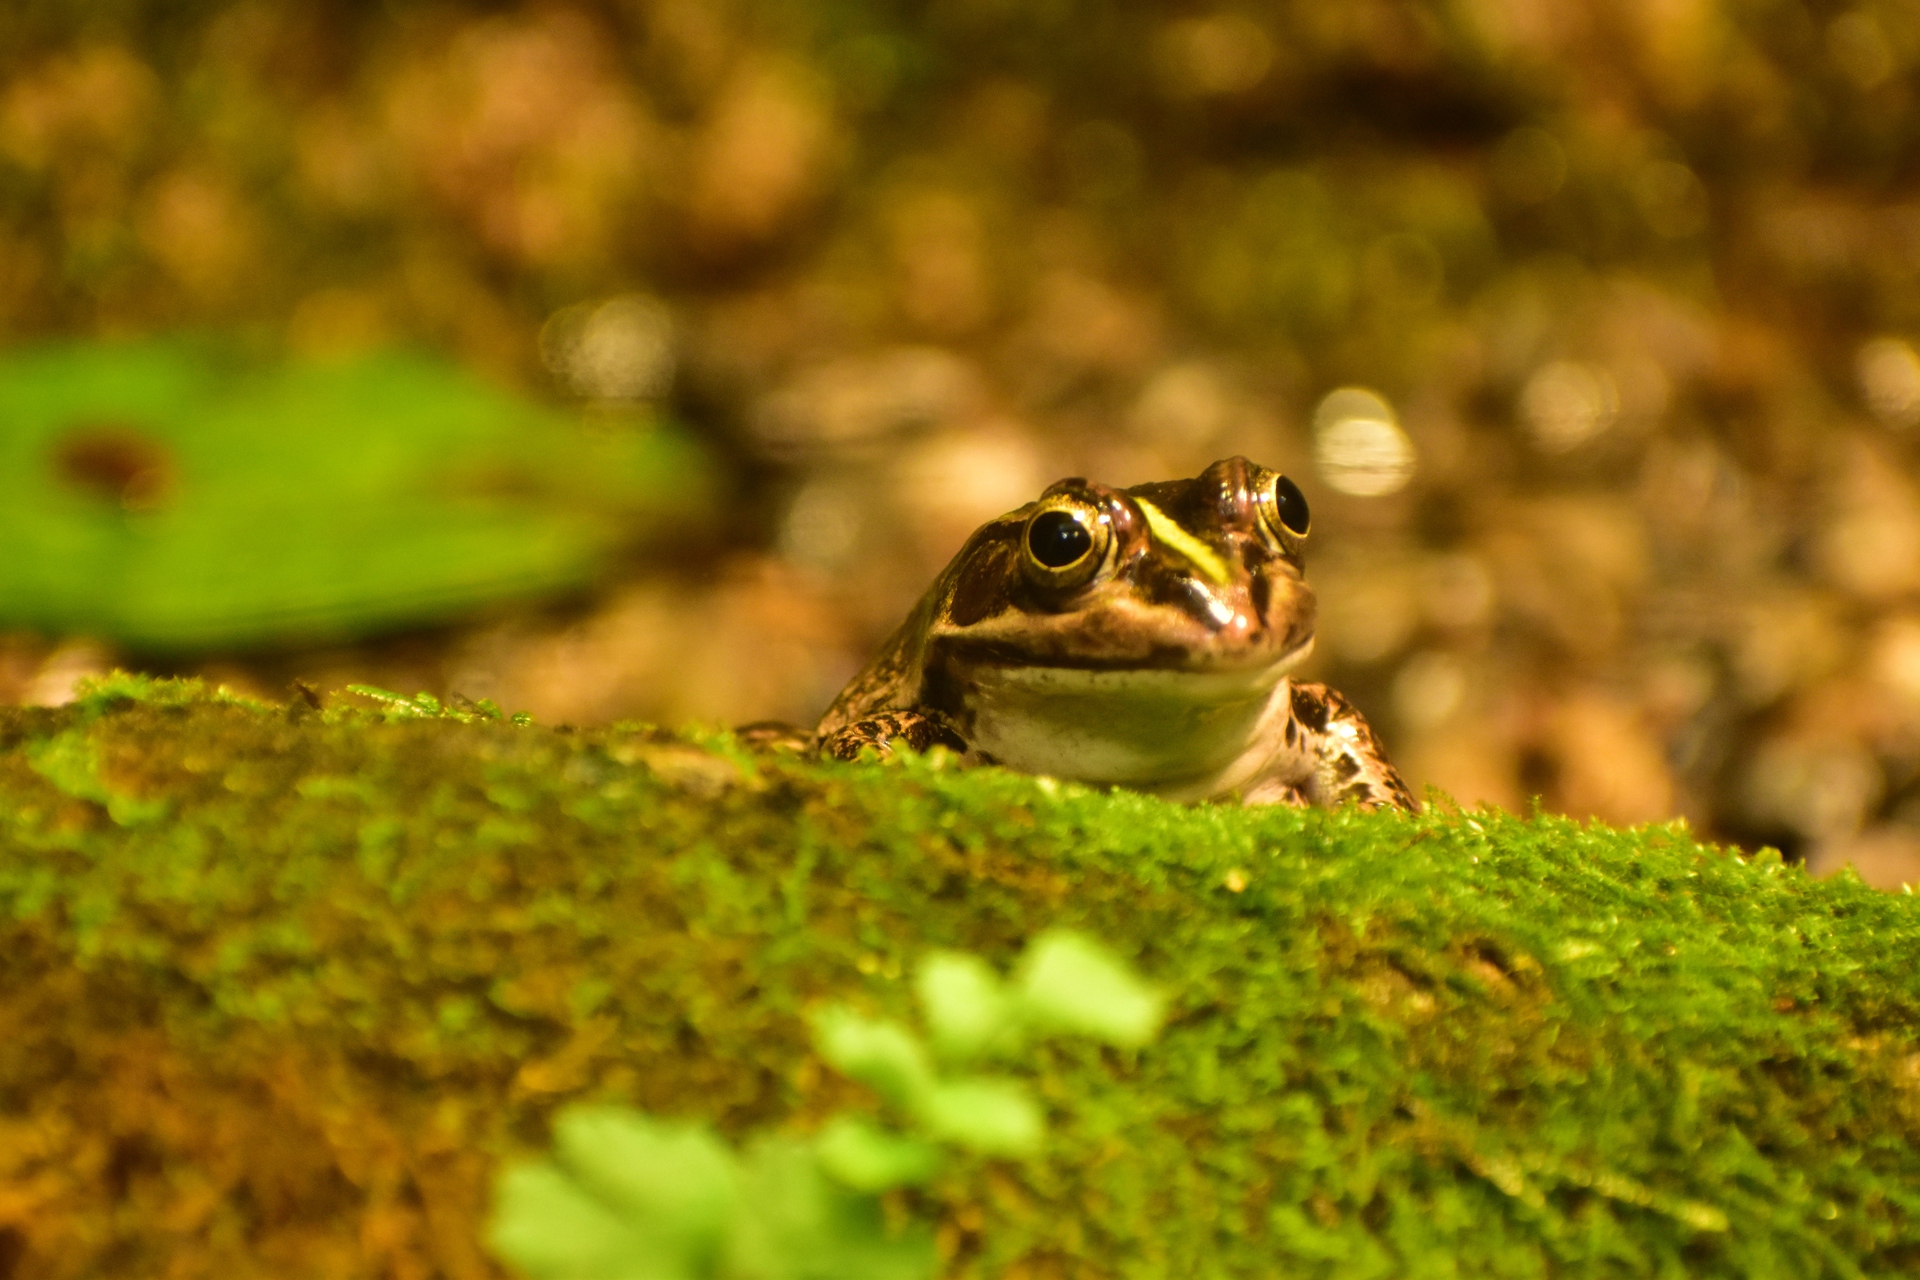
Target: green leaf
x=548, y=1226
x=799, y=1224
x=992, y=1116
x=1068, y=982
x=178, y=495
x=627, y=1198
x=678, y=1177
x=879, y=1053
x=967, y=1008
x=869, y=1158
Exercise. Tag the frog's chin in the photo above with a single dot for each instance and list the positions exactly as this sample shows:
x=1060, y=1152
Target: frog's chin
x=1143, y=727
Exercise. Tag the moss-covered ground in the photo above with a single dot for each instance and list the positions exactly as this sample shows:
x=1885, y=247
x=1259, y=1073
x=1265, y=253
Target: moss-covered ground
x=279, y=989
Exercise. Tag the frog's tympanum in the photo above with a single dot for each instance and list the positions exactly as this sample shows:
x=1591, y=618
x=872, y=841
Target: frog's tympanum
x=1136, y=637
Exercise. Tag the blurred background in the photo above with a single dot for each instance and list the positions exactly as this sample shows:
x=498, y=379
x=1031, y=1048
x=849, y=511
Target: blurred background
x=646, y=358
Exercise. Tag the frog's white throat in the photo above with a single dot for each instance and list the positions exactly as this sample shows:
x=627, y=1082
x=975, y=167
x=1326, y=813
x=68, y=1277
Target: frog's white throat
x=1179, y=733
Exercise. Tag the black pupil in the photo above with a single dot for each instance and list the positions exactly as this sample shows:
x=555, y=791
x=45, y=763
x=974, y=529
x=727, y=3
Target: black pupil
x=1057, y=539
x=1291, y=504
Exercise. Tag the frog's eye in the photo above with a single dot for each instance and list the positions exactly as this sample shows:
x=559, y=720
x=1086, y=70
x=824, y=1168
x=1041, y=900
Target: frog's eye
x=1285, y=508
x=1065, y=545
x=1058, y=540
x=1290, y=505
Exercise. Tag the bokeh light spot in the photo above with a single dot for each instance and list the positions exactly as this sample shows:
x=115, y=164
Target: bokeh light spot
x=1430, y=686
x=1672, y=199
x=1222, y=54
x=1530, y=165
x=1358, y=445
x=1859, y=48
x=1567, y=403
x=621, y=349
x=1889, y=375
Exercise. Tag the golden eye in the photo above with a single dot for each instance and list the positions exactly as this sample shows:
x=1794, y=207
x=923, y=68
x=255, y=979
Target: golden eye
x=1291, y=506
x=1285, y=510
x=1058, y=540
x=1065, y=544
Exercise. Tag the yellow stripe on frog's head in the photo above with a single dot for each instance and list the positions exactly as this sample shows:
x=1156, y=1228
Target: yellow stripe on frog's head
x=1164, y=528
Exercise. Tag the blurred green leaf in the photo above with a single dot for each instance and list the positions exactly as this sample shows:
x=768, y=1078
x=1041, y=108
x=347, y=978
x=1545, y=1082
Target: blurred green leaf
x=966, y=1005
x=798, y=1224
x=1068, y=982
x=626, y=1197
x=167, y=495
x=878, y=1053
x=631, y=1198
x=680, y=1174
x=548, y=1227
x=869, y=1158
x=991, y=1116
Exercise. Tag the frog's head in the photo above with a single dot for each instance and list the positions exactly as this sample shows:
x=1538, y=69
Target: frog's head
x=1200, y=575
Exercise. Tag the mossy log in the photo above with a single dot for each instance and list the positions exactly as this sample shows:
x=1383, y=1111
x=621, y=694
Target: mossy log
x=280, y=989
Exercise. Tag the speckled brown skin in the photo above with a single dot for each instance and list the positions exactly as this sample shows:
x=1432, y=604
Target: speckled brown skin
x=1346, y=761
x=920, y=730
x=1162, y=667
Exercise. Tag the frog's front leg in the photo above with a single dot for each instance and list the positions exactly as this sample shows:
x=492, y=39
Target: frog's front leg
x=773, y=735
x=1330, y=757
x=921, y=730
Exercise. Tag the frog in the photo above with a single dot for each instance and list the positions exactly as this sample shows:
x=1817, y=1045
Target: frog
x=1140, y=637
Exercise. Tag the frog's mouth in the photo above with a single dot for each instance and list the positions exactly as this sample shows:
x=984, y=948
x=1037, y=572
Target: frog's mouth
x=1171, y=666
x=1135, y=725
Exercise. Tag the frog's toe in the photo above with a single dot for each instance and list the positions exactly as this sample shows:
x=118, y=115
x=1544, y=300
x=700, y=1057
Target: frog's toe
x=890, y=729
x=1290, y=794
x=855, y=738
x=1388, y=792
x=773, y=735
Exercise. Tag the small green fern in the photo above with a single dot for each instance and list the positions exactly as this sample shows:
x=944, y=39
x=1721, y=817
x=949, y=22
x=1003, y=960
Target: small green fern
x=629, y=1197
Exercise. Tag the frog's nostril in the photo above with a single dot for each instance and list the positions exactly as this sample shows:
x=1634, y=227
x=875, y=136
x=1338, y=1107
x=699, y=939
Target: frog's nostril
x=1209, y=608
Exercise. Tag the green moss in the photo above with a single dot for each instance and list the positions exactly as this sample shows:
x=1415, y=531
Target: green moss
x=279, y=989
